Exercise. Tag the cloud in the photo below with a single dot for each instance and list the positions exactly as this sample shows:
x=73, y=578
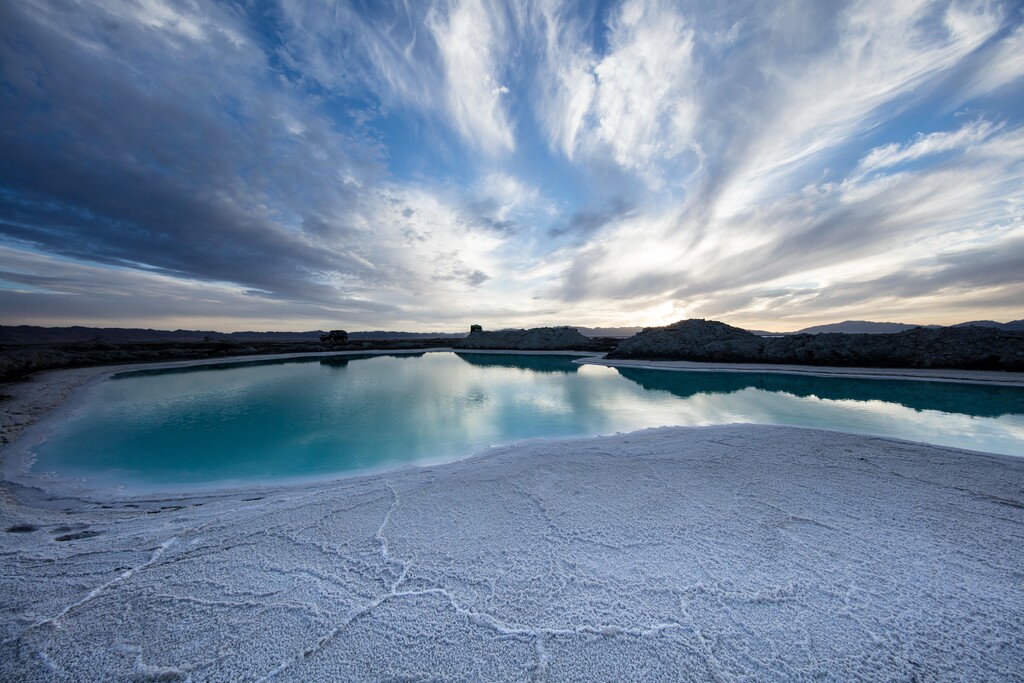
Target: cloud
x=644, y=106
x=1003, y=67
x=500, y=200
x=585, y=222
x=272, y=199
x=76, y=293
x=816, y=239
x=637, y=101
x=917, y=292
x=153, y=171
x=510, y=163
x=747, y=220
x=893, y=154
x=567, y=84
x=471, y=40
x=883, y=54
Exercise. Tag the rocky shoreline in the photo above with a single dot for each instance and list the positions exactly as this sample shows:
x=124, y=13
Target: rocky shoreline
x=708, y=341
x=20, y=360
x=965, y=348
x=536, y=339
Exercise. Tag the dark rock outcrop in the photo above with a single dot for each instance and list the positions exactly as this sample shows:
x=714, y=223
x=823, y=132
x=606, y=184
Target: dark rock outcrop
x=968, y=348
x=692, y=340
x=334, y=337
x=972, y=348
x=536, y=339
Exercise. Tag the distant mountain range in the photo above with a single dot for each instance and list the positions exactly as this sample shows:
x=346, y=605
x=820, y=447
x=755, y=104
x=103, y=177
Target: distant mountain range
x=868, y=327
x=1012, y=325
x=608, y=331
x=32, y=334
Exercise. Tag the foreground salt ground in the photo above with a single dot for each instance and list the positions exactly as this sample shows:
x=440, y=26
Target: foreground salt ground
x=736, y=553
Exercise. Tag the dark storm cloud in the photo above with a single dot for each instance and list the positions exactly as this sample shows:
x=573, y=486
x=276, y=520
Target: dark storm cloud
x=127, y=145
x=89, y=294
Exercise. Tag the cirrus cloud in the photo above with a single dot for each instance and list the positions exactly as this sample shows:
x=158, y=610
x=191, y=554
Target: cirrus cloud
x=402, y=164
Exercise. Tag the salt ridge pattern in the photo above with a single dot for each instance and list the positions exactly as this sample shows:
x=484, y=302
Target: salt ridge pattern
x=735, y=553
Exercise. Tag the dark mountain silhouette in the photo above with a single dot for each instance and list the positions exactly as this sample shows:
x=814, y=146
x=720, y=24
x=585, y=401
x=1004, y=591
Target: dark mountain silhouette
x=32, y=334
x=1012, y=325
x=870, y=327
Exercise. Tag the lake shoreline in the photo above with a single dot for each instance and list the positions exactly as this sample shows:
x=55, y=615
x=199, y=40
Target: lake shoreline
x=796, y=551
x=989, y=377
x=565, y=558
x=35, y=404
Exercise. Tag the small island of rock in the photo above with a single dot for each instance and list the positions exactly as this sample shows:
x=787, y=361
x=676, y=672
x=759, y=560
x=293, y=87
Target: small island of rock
x=562, y=338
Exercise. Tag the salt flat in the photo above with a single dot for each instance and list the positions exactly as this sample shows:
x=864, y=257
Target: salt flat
x=731, y=553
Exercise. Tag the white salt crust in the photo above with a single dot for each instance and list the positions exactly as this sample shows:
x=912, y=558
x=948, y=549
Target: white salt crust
x=734, y=553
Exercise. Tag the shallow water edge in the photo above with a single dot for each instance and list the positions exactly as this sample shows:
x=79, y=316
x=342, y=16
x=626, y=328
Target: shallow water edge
x=56, y=394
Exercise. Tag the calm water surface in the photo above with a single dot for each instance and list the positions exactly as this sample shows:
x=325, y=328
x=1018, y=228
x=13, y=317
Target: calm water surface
x=322, y=416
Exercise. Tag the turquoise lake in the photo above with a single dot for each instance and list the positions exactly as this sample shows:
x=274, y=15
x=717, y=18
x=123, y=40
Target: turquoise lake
x=316, y=417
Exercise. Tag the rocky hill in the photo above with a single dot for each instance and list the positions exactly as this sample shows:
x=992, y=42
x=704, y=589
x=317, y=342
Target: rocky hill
x=693, y=340
x=535, y=339
x=948, y=347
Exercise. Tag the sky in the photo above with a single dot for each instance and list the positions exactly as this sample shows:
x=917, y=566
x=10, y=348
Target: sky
x=294, y=165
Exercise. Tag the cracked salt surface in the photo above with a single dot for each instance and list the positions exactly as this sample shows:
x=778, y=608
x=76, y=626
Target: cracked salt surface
x=735, y=553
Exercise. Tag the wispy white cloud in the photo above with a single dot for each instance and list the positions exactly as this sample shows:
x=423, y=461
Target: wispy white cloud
x=164, y=17
x=645, y=106
x=637, y=102
x=894, y=153
x=891, y=239
x=334, y=46
x=505, y=197
x=445, y=59
x=40, y=290
x=884, y=52
x=471, y=39
x=1004, y=66
x=826, y=239
x=567, y=82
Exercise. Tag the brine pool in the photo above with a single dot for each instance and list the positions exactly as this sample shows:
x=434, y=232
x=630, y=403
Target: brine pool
x=317, y=417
